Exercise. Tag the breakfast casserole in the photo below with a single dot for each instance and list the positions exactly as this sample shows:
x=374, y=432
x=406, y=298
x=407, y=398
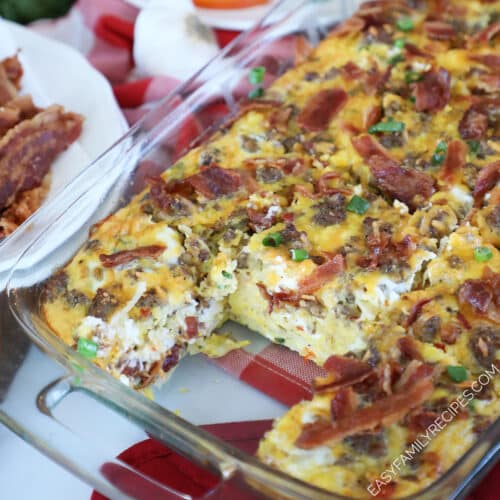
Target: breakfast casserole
x=351, y=212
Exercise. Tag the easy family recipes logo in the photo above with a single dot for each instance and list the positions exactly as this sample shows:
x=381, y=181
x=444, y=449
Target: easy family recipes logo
x=424, y=438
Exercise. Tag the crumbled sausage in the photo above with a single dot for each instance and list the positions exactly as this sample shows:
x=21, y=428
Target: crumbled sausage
x=268, y=175
x=394, y=140
x=330, y=211
x=75, y=298
x=55, y=286
x=427, y=330
x=249, y=144
x=484, y=342
x=369, y=443
x=103, y=304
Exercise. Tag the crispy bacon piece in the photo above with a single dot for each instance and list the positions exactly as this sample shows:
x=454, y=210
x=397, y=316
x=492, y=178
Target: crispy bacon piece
x=439, y=30
x=371, y=115
x=482, y=296
x=342, y=372
x=214, y=182
x=322, y=188
x=343, y=403
x=7, y=89
x=487, y=179
x=279, y=119
x=259, y=221
x=191, y=326
x=289, y=166
x=415, y=312
x=350, y=26
x=351, y=71
x=487, y=33
x=409, y=347
x=368, y=147
x=321, y=108
x=375, y=79
x=473, y=124
x=307, y=286
x=455, y=159
x=28, y=150
x=382, y=412
x=490, y=60
x=422, y=420
x=432, y=93
x=126, y=256
x=413, y=50
x=407, y=185
x=13, y=70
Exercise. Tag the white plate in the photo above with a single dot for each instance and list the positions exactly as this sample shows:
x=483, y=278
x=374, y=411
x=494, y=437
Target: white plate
x=55, y=73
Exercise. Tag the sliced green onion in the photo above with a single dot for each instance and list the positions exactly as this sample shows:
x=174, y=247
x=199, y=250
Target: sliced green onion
x=256, y=93
x=273, y=240
x=400, y=43
x=412, y=76
x=405, y=23
x=390, y=125
x=256, y=75
x=439, y=153
x=474, y=146
x=396, y=59
x=482, y=254
x=357, y=205
x=457, y=373
x=299, y=254
x=87, y=348
x=412, y=99
x=226, y=274
x=279, y=340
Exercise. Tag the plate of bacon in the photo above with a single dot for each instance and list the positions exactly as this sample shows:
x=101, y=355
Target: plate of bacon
x=56, y=115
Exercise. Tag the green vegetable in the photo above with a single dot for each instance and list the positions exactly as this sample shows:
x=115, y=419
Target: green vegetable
x=256, y=75
x=256, y=93
x=412, y=99
x=299, y=254
x=390, y=125
x=87, y=348
x=457, y=373
x=405, y=23
x=273, y=240
x=439, y=153
x=26, y=11
x=279, y=340
x=396, y=59
x=358, y=205
x=226, y=274
x=412, y=76
x=474, y=146
x=482, y=254
x=399, y=43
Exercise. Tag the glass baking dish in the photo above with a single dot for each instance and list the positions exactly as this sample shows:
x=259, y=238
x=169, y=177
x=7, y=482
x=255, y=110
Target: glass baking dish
x=204, y=102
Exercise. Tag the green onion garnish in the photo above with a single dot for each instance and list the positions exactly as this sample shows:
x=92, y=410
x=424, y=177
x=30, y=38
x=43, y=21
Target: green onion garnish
x=482, y=254
x=412, y=76
x=273, y=240
x=226, y=274
x=412, y=99
x=396, y=59
x=299, y=254
x=87, y=348
x=400, y=43
x=473, y=146
x=457, y=373
x=256, y=93
x=279, y=340
x=357, y=205
x=405, y=23
x=256, y=75
x=439, y=153
x=390, y=125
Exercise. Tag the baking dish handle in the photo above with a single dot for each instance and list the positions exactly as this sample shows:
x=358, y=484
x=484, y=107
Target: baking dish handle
x=89, y=461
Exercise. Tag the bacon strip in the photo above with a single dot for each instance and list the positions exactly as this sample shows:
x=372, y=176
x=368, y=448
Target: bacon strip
x=342, y=372
x=191, y=327
x=321, y=275
x=473, y=124
x=343, y=403
x=409, y=347
x=214, y=182
x=320, y=109
x=126, y=256
x=455, y=159
x=289, y=166
x=407, y=185
x=432, y=93
x=368, y=147
x=487, y=33
x=382, y=412
x=13, y=70
x=415, y=311
x=439, y=30
x=490, y=60
x=28, y=150
x=487, y=179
